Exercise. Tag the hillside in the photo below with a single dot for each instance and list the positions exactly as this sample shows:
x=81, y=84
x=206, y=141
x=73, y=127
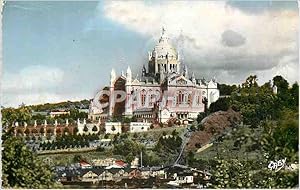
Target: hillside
x=212, y=126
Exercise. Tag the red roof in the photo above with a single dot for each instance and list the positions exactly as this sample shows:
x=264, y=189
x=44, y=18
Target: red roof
x=120, y=163
x=84, y=163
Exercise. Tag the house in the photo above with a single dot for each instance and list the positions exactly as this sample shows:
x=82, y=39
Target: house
x=89, y=176
x=67, y=174
x=134, y=173
x=135, y=163
x=137, y=127
x=54, y=113
x=84, y=164
x=120, y=163
x=147, y=172
x=113, y=127
x=104, y=162
x=106, y=175
x=184, y=178
x=158, y=172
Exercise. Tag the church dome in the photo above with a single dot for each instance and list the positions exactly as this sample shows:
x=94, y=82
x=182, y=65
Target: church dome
x=164, y=48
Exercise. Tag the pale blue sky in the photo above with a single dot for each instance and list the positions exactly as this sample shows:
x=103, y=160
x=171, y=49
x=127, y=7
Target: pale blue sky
x=77, y=43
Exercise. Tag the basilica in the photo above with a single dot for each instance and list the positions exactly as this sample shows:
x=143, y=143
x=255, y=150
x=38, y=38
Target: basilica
x=164, y=90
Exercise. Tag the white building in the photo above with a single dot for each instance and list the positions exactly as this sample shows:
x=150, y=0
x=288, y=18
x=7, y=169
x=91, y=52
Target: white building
x=137, y=127
x=87, y=128
x=163, y=90
x=113, y=127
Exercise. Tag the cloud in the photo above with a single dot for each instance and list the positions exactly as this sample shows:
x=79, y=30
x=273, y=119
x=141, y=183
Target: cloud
x=39, y=84
x=32, y=79
x=32, y=84
x=218, y=38
x=231, y=38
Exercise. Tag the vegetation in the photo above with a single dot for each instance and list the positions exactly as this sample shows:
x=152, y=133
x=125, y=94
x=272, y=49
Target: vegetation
x=22, y=169
x=270, y=132
x=69, y=141
x=30, y=113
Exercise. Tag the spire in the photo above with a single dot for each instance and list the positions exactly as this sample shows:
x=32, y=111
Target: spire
x=163, y=35
x=128, y=75
x=112, y=77
x=163, y=31
x=185, y=71
x=128, y=71
x=143, y=71
x=193, y=78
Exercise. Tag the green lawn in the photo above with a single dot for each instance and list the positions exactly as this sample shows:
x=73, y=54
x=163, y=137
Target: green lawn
x=67, y=158
x=226, y=149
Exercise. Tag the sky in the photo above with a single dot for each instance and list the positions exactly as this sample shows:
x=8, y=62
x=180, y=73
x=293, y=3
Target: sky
x=57, y=51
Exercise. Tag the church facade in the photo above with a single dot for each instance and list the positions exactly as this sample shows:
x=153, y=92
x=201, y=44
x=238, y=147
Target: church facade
x=163, y=91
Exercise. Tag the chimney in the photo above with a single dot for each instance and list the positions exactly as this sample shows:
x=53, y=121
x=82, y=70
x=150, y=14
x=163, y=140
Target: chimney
x=35, y=124
x=99, y=121
x=84, y=121
x=55, y=123
x=45, y=122
x=25, y=124
x=78, y=121
x=17, y=124
x=67, y=122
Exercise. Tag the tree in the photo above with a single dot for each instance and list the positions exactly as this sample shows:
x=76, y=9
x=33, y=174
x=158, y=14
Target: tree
x=226, y=89
x=42, y=130
x=174, y=132
x=95, y=129
x=222, y=104
x=281, y=83
x=193, y=128
x=49, y=131
x=201, y=127
x=85, y=128
x=75, y=130
x=22, y=169
x=252, y=174
x=251, y=81
x=26, y=131
x=280, y=139
x=201, y=116
x=77, y=158
x=66, y=130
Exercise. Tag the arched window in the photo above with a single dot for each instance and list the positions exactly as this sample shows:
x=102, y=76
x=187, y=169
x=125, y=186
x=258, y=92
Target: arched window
x=180, y=97
x=189, y=99
x=151, y=95
x=143, y=97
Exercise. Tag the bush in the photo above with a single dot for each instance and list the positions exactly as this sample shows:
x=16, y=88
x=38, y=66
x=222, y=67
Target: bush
x=201, y=116
x=200, y=127
x=198, y=145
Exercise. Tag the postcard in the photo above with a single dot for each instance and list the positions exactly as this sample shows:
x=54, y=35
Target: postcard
x=150, y=94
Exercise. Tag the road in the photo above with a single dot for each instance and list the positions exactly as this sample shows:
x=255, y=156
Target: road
x=185, y=136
